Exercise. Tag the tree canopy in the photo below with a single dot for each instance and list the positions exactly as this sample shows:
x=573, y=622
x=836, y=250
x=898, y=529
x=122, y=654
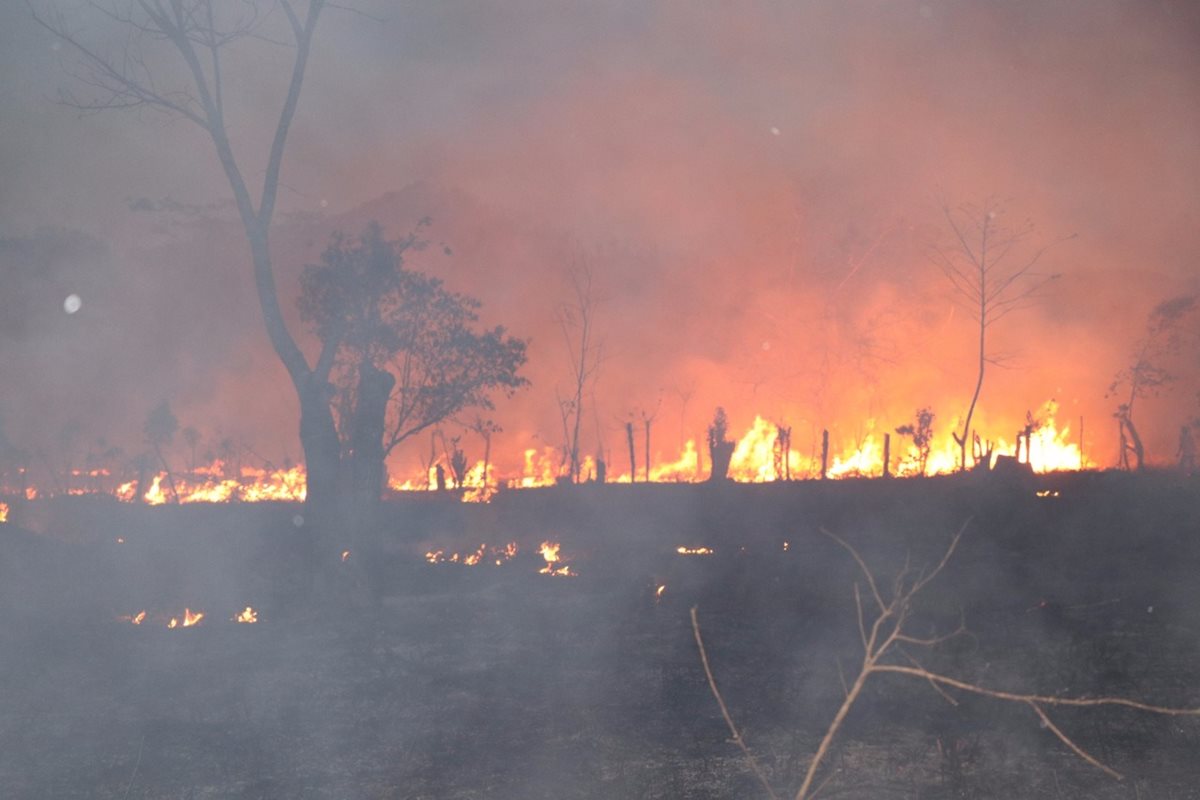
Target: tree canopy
x=385, y=317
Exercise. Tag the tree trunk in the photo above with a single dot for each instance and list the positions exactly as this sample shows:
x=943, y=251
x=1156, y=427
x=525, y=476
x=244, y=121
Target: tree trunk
x=366, y=438
x=632, y=457
x=322, y=450
x=647, y=460
x=824, y=454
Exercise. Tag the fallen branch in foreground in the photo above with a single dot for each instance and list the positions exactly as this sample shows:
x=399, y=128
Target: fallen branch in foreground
x=880, y=638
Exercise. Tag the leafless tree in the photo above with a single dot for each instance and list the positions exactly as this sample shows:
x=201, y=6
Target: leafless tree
x=647, y=420
x=576, y=320
x=174, y=60
x=1149, y=372
x=991, y=268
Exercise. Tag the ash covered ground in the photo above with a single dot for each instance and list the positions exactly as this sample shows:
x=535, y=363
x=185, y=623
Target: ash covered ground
x=500, y=682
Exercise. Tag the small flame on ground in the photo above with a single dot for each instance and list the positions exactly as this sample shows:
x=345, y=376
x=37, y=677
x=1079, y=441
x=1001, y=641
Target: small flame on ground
x=658, y=593
x=189, y=619
x=345, y=556
x=3, y=512
x=135, y=619
x=497, y=555
x=1048, y=493
x=549, y=552
x=785, y=546
x=695, y=551
x=248, y=616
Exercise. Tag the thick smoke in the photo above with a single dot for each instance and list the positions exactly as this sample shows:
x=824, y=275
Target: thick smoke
x=755, y=189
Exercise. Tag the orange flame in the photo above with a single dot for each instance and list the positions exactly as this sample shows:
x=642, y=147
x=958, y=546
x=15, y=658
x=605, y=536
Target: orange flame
x=136, y=619
x=497, y=555
x=549, y=552
x=694, y=551
x=190, y=619
x=3, y=512
x=248, y=616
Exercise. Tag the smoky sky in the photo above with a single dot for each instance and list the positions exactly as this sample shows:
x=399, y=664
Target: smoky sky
x=754, y=186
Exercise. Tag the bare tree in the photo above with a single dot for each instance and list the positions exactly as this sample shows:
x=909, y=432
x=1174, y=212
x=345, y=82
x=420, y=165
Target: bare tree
x=992, y=273
x=920, y=430
x=647, y=420
x=173, y=60
x=576, y=320
x=159, y=428
x=1149, y=373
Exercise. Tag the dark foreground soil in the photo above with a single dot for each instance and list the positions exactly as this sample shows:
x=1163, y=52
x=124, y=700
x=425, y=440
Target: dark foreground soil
x=499, y=682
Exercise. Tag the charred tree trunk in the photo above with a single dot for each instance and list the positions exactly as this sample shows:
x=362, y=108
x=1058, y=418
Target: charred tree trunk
x=647, y=459
x=322, y=450
x=632, y=455
x=366, y=472
x=887, y=455
x=1139, y=451
x=720, y=454
x=824, y=454
x=366, y=438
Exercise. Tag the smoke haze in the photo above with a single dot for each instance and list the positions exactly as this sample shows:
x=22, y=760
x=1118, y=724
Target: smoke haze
x=755, y=189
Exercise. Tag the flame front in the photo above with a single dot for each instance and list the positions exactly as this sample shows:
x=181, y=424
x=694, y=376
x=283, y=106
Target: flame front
x=248, y=616
x=757, y=458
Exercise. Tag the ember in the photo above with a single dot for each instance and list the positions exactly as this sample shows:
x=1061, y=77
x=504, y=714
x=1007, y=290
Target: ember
x=696, y=551
x=248, y=616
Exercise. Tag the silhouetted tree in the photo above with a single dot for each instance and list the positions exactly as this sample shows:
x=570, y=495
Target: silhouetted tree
x=174, y=60
x=160, y=428
x=486, y=428
x=576, y=320
x=408, y=354
x=1148, y=373
x=991, y=276
x=920, y=431
x=720, y=448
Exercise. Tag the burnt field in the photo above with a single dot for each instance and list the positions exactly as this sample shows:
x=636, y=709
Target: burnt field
x=497, y=681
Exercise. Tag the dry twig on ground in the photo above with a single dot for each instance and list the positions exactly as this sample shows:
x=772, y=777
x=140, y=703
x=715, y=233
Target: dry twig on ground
x=881, y=637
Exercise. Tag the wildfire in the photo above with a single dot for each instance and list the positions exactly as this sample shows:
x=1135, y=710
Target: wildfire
x=248, y=616
x=549, y=552
x=207, y=485
x=3, y=512
x=135, y=619
x=694, y=551
x=757, y=457
x=345, y=556
x=658, y=593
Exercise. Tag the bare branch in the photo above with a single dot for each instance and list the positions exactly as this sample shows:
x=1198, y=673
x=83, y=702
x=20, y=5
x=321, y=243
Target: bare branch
x=1079, y=751
x=737, y=736
x=862, y=565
